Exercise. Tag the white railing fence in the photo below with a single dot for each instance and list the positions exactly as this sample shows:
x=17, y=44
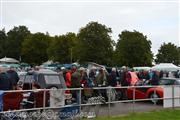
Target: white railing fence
x=59, y=104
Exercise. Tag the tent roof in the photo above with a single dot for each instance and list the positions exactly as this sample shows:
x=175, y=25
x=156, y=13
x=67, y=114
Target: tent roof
x=9, y=60
x=166, y=66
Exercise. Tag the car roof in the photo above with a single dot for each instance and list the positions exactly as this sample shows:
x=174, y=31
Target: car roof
x=45, y=71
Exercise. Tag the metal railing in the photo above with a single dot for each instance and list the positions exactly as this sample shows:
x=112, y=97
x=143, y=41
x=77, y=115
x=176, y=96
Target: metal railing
x=95, y=99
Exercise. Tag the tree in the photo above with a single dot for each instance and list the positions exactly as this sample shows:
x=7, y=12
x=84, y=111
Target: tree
x=15, y=38
x=95, y=43
x=61, y=48
x=34, y=48
x=3, y=40
x=168, y=53
x=133, y=49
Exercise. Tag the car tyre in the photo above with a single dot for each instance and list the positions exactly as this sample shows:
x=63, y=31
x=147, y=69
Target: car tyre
x=154, y=97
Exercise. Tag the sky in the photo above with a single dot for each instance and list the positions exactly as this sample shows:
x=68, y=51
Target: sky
x=158, y=20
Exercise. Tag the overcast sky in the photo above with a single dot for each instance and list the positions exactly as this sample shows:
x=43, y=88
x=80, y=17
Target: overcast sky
x=159, y=21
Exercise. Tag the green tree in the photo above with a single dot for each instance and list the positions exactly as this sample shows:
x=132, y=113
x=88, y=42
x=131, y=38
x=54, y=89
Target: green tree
x=34, y=48
x=95, y=43
x=15, y=38
x=133, y=49
x=62, y=49
x=3, y=40
x=168, y=53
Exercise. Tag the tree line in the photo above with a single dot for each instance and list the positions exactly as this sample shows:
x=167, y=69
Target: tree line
x=93, y=43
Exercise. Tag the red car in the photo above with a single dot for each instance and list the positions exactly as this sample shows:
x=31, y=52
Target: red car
x=154, y=93
x=145, y=92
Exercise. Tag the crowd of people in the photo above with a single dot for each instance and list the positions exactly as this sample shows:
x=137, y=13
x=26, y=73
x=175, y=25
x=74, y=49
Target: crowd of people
x=93, y=77
x=88, y=78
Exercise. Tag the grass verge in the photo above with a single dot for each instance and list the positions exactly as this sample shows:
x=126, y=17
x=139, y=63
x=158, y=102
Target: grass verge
x=167, y=114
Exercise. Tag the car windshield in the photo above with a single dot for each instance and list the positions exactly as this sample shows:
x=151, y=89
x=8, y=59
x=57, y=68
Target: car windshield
x=52, y=79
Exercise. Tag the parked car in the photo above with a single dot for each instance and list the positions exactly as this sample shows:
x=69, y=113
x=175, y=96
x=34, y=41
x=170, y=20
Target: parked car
x=141, y=91
x=44, y=78
x=152, y=92
x=169, y=81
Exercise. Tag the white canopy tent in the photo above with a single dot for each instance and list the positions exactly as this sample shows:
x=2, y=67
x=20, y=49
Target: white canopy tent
x=166, y=67
x=8, y=60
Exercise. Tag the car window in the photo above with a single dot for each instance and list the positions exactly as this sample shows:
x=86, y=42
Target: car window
x=52, y=79
x=26, y=78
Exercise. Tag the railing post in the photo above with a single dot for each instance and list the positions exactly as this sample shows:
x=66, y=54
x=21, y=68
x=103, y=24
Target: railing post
x=173, y=96
x=155, y=98
x=109, y=100
x=133, y=97
x=80, y=101
x=44, y=99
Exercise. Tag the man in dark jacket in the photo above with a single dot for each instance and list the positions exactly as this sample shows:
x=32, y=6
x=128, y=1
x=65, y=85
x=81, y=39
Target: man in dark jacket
x=112, y=81
x=75, y=79
x=13, y=76
x=5, y=83
x=155, y=78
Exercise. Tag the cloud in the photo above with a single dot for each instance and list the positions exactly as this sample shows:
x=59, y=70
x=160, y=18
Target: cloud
x=159, y=21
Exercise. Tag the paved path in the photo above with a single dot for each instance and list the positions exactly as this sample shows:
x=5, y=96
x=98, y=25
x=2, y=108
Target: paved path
x=122, y=108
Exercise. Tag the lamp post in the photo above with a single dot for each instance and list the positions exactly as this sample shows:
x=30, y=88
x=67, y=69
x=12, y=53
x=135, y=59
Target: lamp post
x=71, y=54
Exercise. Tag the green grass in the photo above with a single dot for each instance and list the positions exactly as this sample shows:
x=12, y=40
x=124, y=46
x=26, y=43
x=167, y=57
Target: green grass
x=167, y=114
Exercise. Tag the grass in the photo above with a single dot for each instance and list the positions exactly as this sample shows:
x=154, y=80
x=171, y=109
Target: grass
x=167, y=114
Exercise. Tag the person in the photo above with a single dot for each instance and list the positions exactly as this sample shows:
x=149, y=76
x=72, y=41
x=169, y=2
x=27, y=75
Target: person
x=13, y=76
x=123, y=75
x=176, y=74
x=112, y=81
x=124, y=82
x=155, y=78
x=68, y=78
x=84, y=77
x=92, y=76
x=161, y=74
x=31, y=99
x=83, y=81
x=5, y=82
x=75, y=80
x=151, y=73
x=101, y=79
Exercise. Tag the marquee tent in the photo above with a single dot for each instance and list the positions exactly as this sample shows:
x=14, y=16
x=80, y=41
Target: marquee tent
x=166, y=67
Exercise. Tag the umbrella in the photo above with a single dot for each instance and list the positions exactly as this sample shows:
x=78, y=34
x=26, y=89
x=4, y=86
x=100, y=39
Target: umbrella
x=8, y=60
